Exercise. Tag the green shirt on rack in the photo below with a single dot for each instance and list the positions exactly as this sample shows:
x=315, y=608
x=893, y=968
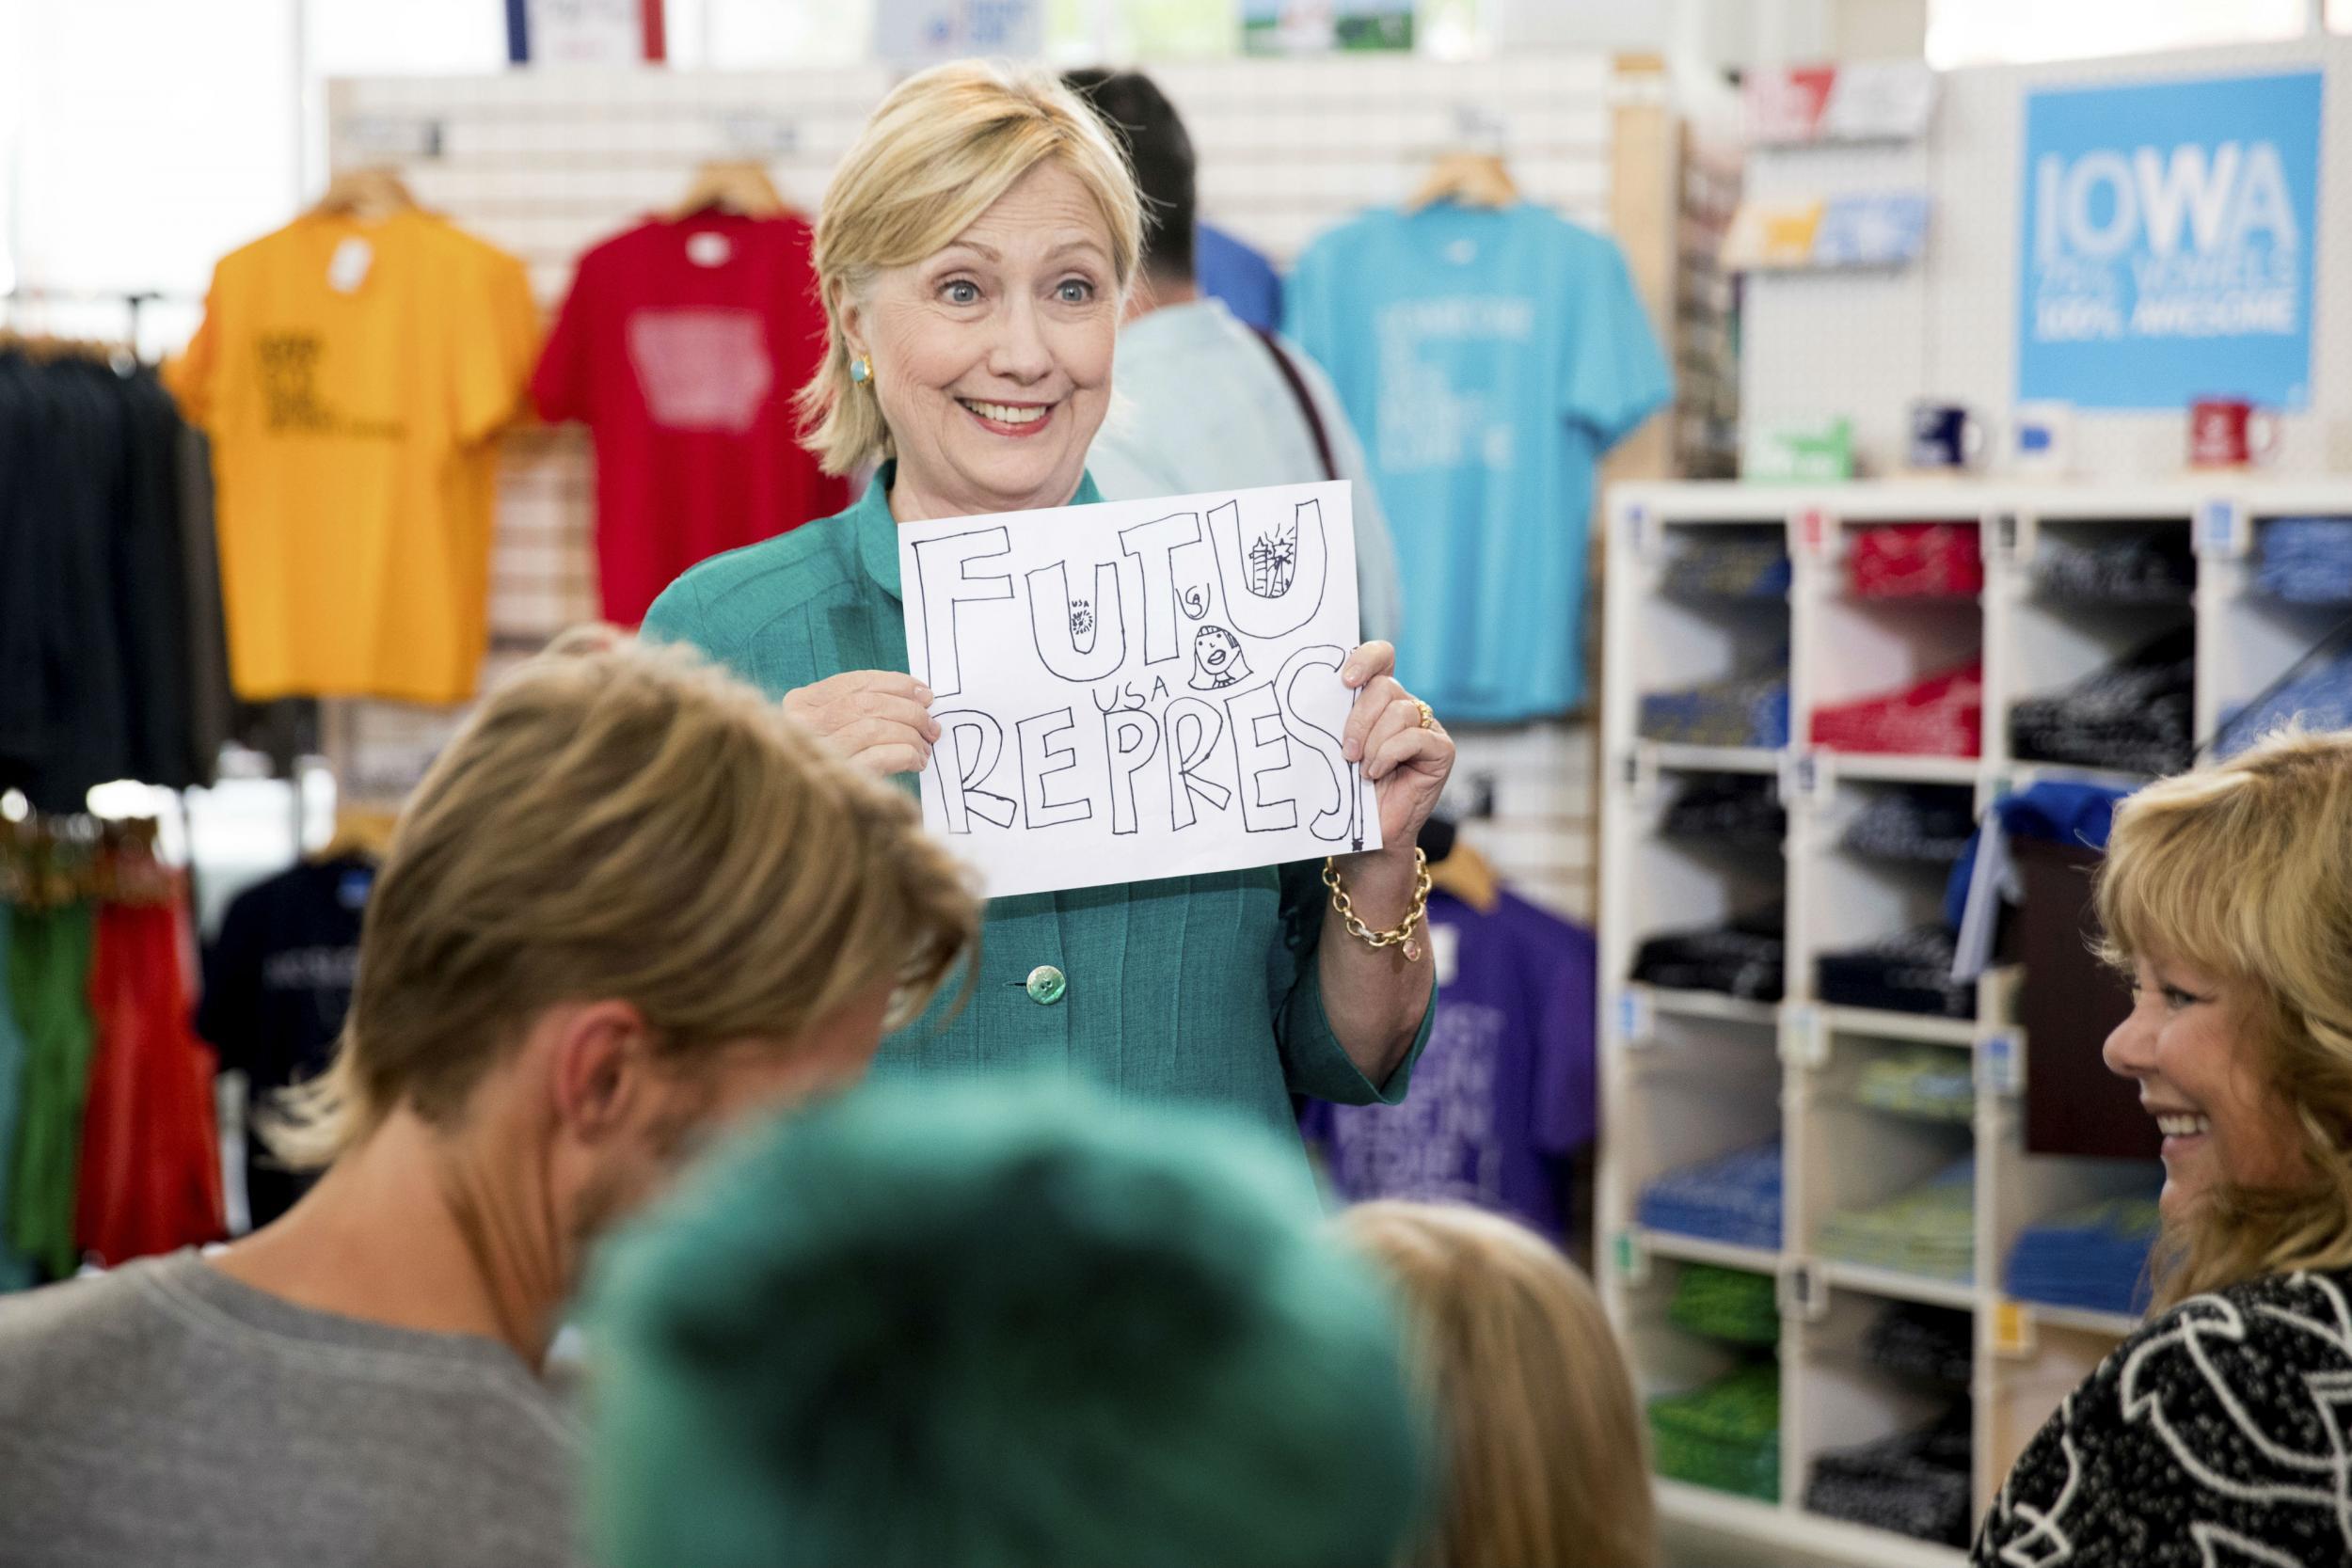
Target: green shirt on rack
x=48, y=972
x=1200, y=989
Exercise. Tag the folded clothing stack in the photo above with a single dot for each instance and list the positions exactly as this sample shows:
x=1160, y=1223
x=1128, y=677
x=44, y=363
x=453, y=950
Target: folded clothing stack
x=1915, y=561
x=1941, y=717
x=2093, y=1257
x=1730, y=568
x=1930, y=1230
x=2307, y=560
x=1930, y=824
x=1746, y=959
x=1734, y=1200
x=1725, y=1434
x=1741, y=810
x=1736, y=1305
x=2138, y=717
x=1910, y=971
x=1931, y=1082
x=1749, y=711
x=2147, y=570
x=1915, y=1483
x=2319, y=700
x=1937, y=1343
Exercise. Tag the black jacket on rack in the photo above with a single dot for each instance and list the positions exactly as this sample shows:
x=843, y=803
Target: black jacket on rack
x=100, y=592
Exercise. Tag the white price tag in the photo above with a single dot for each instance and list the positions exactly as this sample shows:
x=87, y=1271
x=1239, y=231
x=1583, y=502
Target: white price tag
x=348, y=268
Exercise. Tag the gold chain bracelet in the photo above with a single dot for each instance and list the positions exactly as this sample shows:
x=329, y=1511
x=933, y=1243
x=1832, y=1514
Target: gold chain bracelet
x=1400, y=935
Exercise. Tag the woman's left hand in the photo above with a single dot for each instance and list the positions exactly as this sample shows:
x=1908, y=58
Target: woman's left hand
x=1406, y=759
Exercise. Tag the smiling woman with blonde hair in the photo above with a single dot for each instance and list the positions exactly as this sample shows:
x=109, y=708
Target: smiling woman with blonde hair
x=974, y=255
x=2213, y=1435
x=1545, y=1459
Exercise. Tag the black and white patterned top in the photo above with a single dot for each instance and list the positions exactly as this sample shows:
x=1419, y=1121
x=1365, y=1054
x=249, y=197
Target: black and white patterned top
x=2214, y=1437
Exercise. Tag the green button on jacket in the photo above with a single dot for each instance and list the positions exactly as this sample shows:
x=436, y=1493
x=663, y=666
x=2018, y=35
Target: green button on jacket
x=1200, y=989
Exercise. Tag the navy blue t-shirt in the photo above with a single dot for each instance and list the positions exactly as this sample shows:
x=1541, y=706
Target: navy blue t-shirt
x=276, y=984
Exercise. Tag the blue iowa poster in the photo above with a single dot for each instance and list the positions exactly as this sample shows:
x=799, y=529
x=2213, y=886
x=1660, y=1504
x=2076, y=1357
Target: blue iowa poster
x=2168, y=240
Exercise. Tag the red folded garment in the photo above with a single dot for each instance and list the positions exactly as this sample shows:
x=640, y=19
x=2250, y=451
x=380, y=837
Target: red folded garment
x=1917, y=560
x=1941, y=717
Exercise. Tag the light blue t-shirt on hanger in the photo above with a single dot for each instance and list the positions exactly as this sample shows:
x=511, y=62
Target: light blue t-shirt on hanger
x=1488, y=357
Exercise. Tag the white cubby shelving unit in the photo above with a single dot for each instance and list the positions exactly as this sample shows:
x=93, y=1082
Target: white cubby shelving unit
x=1690, y=1075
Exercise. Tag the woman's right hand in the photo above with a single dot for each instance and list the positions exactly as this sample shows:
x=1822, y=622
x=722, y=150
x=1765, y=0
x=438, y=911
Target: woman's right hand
x=879, y=719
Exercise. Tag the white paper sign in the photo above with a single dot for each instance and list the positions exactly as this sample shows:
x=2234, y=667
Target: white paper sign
x=1139, y=689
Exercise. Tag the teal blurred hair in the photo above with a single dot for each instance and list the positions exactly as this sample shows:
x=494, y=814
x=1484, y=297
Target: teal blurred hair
x=955, y=1326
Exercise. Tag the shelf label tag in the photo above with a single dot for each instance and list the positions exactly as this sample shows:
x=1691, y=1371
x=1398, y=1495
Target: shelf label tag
x=1804, y=1039
x=2222, y=529
x=2001, y=1064
x=1804, y=777
x=1804, y=1294
x=2004, y=535
x=1639, y=538
x=1636, y=1017
x=2012, y=1329
x=1632, y=1258
x=1810, y=532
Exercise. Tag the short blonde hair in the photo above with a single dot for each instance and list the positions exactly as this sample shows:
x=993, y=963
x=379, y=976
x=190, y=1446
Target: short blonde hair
x=622, y=821
x=2244, y=870
x=1547, y=1460
x=942, y=147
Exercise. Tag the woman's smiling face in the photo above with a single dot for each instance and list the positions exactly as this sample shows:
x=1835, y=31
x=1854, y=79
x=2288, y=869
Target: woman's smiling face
x=2221, y=1120
x=991, y=358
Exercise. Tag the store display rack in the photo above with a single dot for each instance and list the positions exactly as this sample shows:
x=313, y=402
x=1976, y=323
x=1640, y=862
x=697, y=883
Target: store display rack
x=1691, y=1075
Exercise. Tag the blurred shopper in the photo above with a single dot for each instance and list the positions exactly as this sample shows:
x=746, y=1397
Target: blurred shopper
x=1544, y=1453
x=974, y=250
x=630, y=903
x=1016, y=1326
x=2215, y=1434
x=1207, y=403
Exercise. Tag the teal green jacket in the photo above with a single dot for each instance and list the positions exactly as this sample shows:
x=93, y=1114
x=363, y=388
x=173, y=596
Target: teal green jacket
x=1202, y=989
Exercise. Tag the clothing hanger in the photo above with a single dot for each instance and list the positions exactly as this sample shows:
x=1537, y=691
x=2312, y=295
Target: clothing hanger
x=373, y=192
x=361, y=833
x=1469, y=171
x=735, y=185
x=1466, y=180
x=1469, y=876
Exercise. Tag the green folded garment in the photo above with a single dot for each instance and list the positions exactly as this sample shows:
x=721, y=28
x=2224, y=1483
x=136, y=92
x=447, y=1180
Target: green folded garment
x=1933, y=1082
x=1725, y=1304
x=1725, y=1434
x=1930, y=1230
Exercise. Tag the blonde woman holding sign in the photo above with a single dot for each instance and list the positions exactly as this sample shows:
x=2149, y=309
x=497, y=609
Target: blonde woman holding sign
x=974, y=254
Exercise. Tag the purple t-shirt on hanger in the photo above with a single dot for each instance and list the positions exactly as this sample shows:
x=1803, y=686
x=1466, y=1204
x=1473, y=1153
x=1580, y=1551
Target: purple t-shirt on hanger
x=1506, y=1089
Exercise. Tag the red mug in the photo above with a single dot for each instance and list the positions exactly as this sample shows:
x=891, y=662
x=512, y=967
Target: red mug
x=2230, y=432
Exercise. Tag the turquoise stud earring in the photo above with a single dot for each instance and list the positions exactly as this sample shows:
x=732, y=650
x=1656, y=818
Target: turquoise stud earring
x=860, y=370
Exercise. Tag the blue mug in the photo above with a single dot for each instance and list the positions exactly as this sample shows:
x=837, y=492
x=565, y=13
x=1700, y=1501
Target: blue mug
x=1944, y=435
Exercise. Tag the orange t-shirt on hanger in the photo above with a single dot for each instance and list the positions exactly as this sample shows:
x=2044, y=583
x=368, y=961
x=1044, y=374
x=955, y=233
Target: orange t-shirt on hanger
x=351, y=374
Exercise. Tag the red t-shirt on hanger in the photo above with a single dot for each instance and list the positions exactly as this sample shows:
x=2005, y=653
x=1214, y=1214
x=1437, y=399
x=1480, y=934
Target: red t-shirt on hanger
x=681, y=345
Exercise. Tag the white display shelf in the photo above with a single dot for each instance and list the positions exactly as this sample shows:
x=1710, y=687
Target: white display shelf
x=1797, y=1531
x=1918, y=1027
x=1712, y=759
x=1698, y=1249
x=1890, y=768
x=1705, y=1078
x=2116, y=1325
x=1894, y=1285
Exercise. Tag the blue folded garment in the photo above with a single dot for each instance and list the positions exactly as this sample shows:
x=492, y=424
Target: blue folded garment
x=1734, y=1200
x=1752, y=711
x=2320, y=699
x=2307, y=560
x=2094, y=1256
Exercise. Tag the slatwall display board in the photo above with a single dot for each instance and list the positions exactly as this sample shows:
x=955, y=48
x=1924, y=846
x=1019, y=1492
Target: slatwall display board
x=546, y=164
x=1865, y=343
